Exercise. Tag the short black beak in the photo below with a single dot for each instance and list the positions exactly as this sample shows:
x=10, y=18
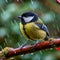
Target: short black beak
x=19, y=17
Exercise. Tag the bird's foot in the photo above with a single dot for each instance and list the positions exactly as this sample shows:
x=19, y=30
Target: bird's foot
x=23, y=45
x=36, y=43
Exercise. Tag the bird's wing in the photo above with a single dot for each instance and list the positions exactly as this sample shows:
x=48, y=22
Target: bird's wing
x=42, y=27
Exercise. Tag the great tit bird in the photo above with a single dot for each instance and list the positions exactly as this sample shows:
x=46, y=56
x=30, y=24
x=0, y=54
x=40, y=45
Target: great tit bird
x=32, y=27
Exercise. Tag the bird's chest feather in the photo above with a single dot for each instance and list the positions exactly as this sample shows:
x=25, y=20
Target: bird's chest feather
x=32, y=31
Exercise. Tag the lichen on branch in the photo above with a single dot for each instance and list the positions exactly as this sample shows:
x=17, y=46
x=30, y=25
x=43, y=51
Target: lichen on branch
x=32, y=48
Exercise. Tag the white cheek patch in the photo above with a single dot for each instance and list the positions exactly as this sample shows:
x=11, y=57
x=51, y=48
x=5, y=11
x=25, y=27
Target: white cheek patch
x=28, y=19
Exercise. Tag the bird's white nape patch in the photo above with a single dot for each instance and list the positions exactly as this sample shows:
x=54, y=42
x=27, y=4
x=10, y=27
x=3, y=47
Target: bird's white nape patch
x=28, y=19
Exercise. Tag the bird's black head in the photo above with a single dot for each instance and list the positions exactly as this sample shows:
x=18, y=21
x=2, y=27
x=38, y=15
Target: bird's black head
x=28, y=17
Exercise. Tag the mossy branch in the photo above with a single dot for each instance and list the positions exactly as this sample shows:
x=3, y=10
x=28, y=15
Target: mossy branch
x=32, y=48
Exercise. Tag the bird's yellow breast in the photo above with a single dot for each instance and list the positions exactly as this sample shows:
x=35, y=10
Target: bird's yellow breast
x=33, y=31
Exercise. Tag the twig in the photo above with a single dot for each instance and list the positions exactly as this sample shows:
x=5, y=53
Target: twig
x=32, y=48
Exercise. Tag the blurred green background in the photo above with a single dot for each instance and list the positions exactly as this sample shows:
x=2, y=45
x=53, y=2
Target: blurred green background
x=10, y=35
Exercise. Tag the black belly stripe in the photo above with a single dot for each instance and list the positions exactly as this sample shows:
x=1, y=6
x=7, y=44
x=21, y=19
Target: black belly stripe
x=26, y=33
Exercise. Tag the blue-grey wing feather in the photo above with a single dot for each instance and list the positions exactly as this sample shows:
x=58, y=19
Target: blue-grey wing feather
x=44, y=27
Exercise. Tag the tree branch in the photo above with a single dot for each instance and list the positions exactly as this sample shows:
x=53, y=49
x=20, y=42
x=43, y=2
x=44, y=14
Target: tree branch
x=32, y=48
